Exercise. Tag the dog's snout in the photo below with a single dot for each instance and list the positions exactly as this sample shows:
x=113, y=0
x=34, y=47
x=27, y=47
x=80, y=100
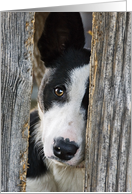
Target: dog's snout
x=64, y=149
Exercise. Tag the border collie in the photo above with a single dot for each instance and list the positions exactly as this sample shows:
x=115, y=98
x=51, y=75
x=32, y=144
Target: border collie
x=57, y=127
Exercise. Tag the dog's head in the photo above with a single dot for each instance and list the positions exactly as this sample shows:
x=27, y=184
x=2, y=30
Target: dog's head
x=63, y=94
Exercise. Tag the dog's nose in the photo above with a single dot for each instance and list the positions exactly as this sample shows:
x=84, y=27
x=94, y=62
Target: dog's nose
x=64, y=149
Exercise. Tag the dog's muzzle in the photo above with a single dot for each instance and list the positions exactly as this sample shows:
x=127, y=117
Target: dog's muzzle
x=64, y=149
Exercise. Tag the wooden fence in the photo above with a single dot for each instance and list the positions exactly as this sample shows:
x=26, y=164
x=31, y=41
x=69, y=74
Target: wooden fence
x=16, y=84
x=108, y=138
x=108, y=135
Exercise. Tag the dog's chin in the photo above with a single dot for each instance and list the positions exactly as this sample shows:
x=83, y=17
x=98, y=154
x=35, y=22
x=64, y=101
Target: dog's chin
x=79, y=164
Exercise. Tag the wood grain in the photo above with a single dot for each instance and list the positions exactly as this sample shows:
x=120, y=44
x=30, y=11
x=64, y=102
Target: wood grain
x=17, y=29
x=108, y=134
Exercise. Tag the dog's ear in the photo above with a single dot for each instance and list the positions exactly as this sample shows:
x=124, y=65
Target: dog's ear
x=61, y=31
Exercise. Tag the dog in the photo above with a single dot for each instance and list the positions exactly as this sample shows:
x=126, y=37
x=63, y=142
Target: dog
x=57, y=128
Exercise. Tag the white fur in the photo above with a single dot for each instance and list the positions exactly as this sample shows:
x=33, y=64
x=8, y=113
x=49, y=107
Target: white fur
x=67, y=120
x=58, y=179
x=41, y=184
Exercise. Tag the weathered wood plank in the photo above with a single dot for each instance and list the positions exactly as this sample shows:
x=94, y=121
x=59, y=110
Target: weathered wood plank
x=109, y=124
x=17, y=30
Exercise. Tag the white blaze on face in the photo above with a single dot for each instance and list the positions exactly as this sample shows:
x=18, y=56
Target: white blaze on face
x=67, y=120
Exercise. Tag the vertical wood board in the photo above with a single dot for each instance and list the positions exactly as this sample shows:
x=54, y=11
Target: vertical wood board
x=108, y=136
x=17, y=29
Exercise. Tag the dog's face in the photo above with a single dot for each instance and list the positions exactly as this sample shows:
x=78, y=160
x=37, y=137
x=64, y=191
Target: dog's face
x=63, y=95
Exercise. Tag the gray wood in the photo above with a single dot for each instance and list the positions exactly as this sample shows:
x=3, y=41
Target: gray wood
x=108, y=134
x=17, y=30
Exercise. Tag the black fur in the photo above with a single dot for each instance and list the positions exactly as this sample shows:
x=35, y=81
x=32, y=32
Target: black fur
x=36, y=163
x=61, y=48
x=61, y=30
x=69, y=60
x=85, y=100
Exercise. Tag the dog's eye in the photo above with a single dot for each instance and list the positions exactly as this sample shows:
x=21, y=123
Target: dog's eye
x=59, y=91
